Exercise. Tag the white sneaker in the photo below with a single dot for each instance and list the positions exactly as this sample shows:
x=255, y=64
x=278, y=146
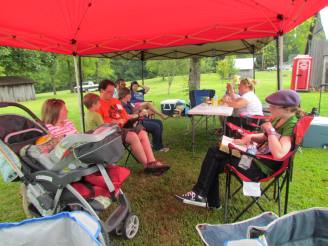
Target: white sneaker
x=193, y=199
x=164, y=149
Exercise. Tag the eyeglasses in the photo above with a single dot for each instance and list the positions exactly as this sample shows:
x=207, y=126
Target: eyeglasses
x=274, y=106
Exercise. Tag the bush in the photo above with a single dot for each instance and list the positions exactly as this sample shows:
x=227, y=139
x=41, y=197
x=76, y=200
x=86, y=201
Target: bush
x=226, y=67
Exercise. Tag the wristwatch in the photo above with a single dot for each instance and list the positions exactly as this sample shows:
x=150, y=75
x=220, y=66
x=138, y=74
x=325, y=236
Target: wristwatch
x=271, y=131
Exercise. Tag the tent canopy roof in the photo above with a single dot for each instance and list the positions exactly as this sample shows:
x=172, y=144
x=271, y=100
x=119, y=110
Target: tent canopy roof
x=89, y=27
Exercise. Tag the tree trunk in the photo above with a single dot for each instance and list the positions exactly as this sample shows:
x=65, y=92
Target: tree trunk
x=310, y=36
x=170, y=80
x=194, y=74
x=69, y=70
x=53, y=85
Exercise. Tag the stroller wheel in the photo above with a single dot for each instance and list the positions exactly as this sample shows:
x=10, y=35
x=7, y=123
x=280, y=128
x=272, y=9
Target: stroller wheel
x=119, y=230
x=131, y=226
x=29, y=210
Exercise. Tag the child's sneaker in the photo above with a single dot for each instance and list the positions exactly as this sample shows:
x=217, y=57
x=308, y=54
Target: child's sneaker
x=193, y=199
x=164, y=149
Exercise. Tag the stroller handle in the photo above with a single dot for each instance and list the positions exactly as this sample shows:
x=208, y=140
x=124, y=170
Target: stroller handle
x=18, y=105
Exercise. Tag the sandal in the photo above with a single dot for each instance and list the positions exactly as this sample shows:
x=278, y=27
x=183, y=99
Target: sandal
x=154, y=167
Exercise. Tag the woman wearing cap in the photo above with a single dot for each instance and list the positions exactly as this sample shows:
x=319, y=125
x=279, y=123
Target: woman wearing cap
x=277, y=139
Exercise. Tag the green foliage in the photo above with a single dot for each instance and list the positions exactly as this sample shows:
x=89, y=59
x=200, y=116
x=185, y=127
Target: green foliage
x=168, y=69
x=128, y=70
x=225, y=67
x=208, y=64
x=96, y=69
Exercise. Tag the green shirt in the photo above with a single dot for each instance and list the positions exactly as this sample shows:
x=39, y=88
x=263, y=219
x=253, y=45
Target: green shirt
x=92, y=120
x=286, y=129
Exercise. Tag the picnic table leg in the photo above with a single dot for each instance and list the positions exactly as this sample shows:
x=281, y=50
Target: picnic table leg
x=224, y=125
x=206, y=118
x=193, y=134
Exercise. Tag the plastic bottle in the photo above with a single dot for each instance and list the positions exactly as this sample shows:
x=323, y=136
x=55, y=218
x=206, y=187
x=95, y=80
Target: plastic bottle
x=252, y=149
x=215, y=100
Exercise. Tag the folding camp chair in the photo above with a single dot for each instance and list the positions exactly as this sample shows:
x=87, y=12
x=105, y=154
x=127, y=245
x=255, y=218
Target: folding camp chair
x=196, y=97
x=283, y=172
x=248, y=123
x=128, y=149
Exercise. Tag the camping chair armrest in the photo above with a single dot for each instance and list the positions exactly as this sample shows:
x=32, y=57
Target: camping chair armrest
x=270, y=157
x=238, y=129
x=255, y=117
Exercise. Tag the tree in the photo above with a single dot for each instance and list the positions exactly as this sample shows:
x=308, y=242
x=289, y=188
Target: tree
x=168, y=69
x=225, y=67
x=208, y=64
x=126, y=69
x=194, y=74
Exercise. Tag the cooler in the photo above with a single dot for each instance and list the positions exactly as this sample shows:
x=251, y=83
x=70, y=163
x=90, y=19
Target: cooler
x=302, y=66
x=168, y=106
x=317, y=135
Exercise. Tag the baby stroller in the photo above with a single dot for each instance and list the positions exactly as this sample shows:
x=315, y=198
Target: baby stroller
x=54, y=181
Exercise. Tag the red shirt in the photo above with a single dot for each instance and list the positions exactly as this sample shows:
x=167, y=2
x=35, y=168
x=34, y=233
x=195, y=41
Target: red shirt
x=112, y=110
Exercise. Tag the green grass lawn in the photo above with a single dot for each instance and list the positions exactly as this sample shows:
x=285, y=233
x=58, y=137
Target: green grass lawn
x=165, y=221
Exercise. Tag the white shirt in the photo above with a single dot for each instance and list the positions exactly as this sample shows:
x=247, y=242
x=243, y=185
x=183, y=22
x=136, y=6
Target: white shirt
x=253, y=107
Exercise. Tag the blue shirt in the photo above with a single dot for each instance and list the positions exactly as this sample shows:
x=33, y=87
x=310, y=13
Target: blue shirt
x=138, y=96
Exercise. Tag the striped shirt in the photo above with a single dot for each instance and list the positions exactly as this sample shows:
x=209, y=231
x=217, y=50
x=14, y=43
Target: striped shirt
x=59, y=131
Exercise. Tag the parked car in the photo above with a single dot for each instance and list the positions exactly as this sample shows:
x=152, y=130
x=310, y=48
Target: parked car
x=87, y=86
x=273, y=68
x=283, y=67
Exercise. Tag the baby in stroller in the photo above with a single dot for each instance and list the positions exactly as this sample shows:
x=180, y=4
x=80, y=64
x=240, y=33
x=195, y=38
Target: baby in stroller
x=71, y=175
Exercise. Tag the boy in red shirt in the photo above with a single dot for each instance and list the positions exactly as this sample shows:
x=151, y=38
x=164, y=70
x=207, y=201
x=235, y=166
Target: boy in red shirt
x=112, y=111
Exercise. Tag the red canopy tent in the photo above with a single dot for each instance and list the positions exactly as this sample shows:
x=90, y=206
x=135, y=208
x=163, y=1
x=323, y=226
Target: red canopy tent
x=88, y=27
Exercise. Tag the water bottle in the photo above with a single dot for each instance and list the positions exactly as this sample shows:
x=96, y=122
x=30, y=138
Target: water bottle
x=252, y=149
x=215, y=101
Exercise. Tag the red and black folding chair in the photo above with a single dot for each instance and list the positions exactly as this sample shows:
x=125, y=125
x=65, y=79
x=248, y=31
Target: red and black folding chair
x=245, y=124
x=273, y=180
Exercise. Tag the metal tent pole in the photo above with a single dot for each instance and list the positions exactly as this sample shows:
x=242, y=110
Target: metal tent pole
x=142, y=66
x=78, y=78
x=253, y=63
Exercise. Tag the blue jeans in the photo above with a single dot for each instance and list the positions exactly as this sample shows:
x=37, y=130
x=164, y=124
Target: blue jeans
x=155, y=128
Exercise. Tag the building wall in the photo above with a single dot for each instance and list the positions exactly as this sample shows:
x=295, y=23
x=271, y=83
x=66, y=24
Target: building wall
x=246, y=73
x=318, y=50
x=17, y=93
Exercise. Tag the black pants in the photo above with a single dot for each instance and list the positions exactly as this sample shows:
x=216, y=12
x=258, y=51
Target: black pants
x=213, y=164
